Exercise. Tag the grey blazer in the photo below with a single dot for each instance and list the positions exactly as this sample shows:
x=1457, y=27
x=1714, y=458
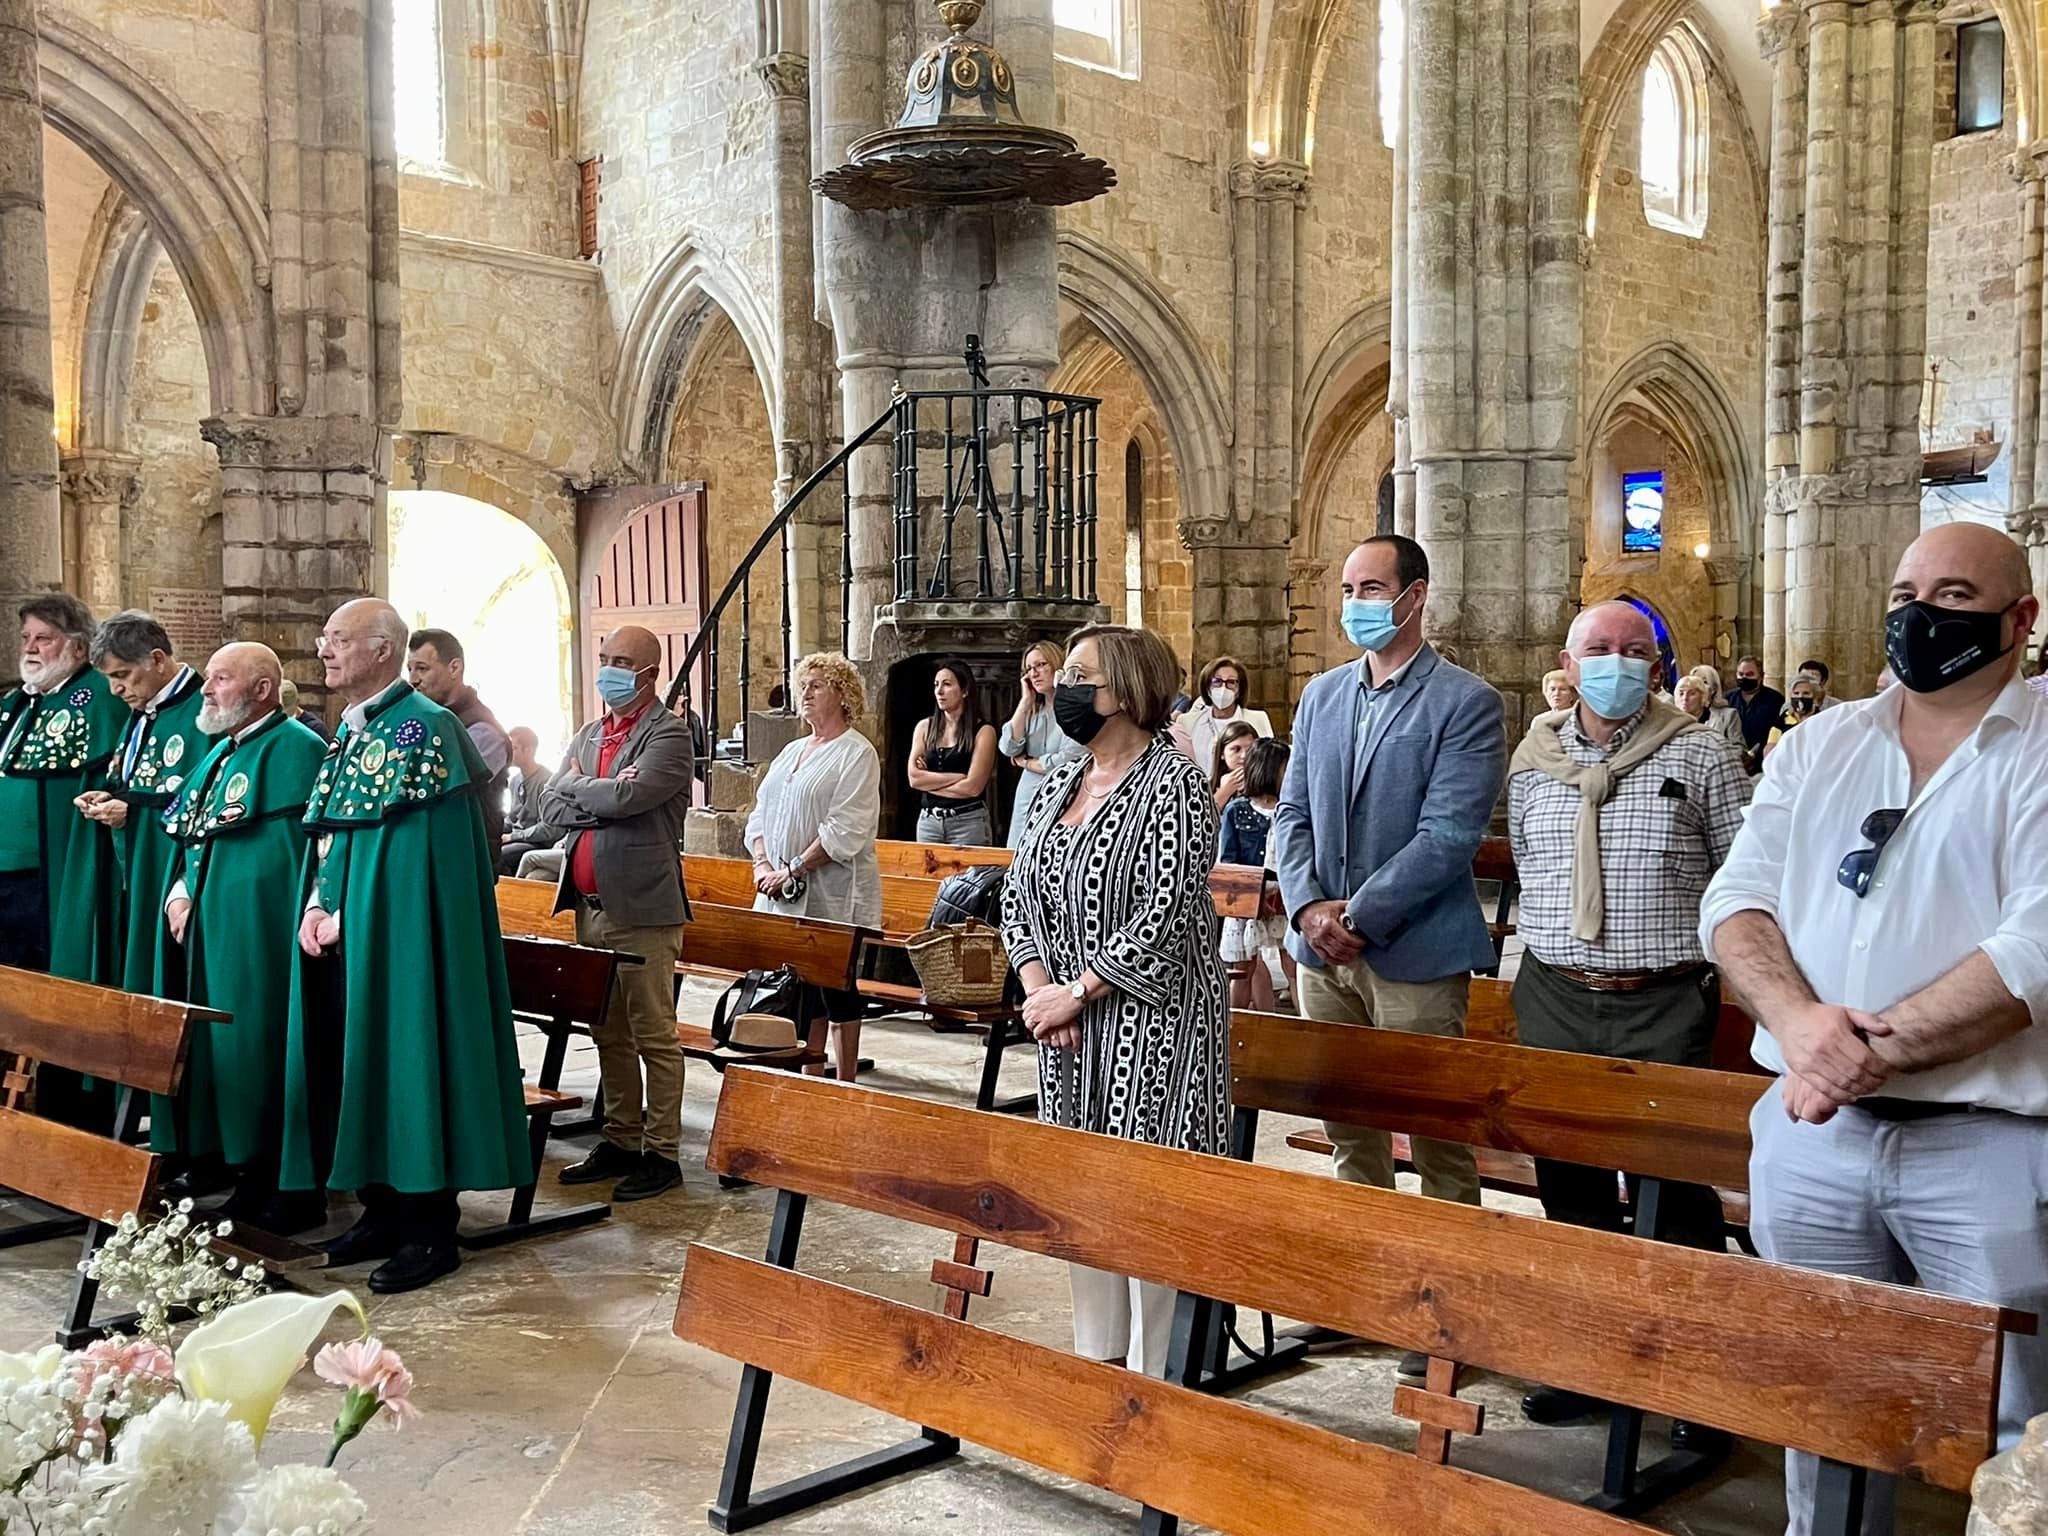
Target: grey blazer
x=1391, y=831
x=638, y=822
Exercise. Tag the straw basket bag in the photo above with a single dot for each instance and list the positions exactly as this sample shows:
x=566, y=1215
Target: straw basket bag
x=960, y=965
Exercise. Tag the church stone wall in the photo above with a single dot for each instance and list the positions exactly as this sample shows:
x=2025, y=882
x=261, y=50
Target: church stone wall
x=1347, y=240
x=171, y=536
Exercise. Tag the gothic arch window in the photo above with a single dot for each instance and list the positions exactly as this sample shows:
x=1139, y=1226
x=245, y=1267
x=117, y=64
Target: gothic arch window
x=1098, y=34
x=419, y=85
x=1675, y=146
x=444, y=86
x=1134, y=534
x=1393, y=45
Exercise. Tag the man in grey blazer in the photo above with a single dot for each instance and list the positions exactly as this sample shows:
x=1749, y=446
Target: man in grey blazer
x=1398, y=759
x=621, y=795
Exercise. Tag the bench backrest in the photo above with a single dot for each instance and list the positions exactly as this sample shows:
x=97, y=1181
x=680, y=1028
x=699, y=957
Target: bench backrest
x=138, y=1042
x=1490, y=1015
x=734, y=939
x=558, y=980
x=527, y=908
x=1665, y=1122
x=931, y=861
x=906, y=902
x=1873, y=1375
x=1495, y=860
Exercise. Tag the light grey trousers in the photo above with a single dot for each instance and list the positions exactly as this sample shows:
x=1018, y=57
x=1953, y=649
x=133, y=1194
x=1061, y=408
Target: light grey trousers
x=966, y=829
x=1116, y=1317
x=1953, y=1203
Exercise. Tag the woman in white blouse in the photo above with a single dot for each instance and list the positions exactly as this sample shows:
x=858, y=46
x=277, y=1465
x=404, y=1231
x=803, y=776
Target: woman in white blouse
x=812, y=832
x=1221, y=688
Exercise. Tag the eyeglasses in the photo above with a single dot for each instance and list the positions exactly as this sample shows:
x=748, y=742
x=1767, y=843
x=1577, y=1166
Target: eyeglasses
x=1858, y=867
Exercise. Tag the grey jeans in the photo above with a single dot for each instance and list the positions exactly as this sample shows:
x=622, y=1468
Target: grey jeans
x=1954, y=1203
x=967, y=829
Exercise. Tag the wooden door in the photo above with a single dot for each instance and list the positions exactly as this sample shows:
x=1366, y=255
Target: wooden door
x=653, y=573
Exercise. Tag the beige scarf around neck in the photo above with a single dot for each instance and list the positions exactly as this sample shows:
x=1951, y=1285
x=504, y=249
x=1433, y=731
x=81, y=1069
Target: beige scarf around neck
x=1542, y=752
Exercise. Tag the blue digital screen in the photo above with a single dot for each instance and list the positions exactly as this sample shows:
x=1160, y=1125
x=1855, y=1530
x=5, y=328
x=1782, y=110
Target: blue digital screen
x=1642, y=512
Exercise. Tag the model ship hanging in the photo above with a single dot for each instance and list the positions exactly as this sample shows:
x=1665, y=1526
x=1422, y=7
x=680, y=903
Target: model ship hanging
x=961, y=142
x=1954, y=463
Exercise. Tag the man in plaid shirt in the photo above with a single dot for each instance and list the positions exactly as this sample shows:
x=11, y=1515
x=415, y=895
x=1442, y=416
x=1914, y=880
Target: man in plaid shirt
x=1619, y=810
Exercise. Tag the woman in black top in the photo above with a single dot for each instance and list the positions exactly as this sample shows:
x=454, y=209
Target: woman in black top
x=952, y=760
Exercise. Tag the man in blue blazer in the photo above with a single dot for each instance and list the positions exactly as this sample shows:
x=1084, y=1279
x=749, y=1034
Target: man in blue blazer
x=1398, y=760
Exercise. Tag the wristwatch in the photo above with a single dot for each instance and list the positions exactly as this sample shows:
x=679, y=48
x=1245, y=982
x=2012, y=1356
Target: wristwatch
x=1078, y=991
x=1349, y=926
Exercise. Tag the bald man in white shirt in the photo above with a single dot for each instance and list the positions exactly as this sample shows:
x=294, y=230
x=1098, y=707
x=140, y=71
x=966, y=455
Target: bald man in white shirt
x=1884, y=914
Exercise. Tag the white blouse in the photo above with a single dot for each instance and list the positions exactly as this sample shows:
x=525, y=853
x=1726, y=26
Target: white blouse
x=834, y=798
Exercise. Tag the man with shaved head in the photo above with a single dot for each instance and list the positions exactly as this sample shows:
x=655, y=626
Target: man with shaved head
x=621, y=795
x=1884, y=915
x=1619, y=810
x=227, y=929
x=401, y=1074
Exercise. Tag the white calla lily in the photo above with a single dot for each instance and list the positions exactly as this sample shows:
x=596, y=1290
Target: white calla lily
x=40, y=1366
x=247, y=1355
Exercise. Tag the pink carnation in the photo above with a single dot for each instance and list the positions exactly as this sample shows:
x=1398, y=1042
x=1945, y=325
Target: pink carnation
x=370, y=1367
x=128, y=1357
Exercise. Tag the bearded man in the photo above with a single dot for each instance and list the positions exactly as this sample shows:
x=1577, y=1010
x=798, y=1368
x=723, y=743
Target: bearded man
x=228, y=929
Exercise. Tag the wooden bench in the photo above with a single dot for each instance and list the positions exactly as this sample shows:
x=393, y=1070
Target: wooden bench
x=139, y=1044
x=1236, y=887
x=1866, y=1376
x=1511, y=1105
x=1495, y=864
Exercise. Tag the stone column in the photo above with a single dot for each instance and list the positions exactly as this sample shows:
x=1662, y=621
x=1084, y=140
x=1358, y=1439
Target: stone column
x=1850, y=498
x=98, y=487
x=2009, y=1493
x=1397, y=337
x=31, y=517
x=1491, y=282
x=1783, y=43
x=2027, y=510
x=1308, y=601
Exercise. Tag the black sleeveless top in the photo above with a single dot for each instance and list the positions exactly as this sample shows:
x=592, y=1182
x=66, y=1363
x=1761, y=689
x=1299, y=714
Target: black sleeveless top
x=945, y=760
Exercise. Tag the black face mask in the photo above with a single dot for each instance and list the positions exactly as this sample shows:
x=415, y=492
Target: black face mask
x=1931, y=647
x=1073, y=706
x=1749, y=684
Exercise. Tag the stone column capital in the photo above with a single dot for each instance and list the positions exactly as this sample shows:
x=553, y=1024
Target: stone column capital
x=1270, y=181
x=785, y=76
x=100, y=474
x=1777, y=29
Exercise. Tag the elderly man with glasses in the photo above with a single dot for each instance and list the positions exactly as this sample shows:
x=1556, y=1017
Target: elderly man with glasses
x=1884, y=914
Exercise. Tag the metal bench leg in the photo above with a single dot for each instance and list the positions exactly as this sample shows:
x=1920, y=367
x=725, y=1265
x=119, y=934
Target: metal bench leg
x=1838, y=1492
x=519, y=1222
x=739, y=1508
x=1277, y=1351
x=1194, y=1322
x=992, y=1064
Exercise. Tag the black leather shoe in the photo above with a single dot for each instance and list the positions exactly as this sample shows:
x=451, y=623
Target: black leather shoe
x=604, y=1162
x=370, y=1238
x=1554, y=1405
x=1413, y=1368
x=1700, y=1439
x=289, y=1215
x=656, y=1175
x=196, y=1181
x=414, y=1265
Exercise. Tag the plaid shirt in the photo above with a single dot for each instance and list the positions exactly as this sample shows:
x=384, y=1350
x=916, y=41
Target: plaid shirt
x=1663, y=833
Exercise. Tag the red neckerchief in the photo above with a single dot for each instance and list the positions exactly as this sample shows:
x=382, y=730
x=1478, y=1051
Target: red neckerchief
x=615, y=732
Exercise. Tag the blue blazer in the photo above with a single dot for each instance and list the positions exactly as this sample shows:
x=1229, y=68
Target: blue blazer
x=1391, y=831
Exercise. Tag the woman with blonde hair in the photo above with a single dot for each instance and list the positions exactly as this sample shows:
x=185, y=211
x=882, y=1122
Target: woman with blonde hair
x=1032, y=738
x=812, y=831
x=1107, y=918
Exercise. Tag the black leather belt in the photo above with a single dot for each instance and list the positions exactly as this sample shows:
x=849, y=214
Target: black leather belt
x=954, y=810
x=1899, y=1111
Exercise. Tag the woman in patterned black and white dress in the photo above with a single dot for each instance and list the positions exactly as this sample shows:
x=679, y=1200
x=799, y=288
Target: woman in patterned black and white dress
x=1107, y=917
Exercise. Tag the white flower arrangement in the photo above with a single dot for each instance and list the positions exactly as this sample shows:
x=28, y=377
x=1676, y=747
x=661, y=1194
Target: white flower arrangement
x=131, y=1438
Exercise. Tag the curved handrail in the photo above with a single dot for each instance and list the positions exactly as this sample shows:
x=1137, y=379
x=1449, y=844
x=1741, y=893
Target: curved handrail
x=707, y=626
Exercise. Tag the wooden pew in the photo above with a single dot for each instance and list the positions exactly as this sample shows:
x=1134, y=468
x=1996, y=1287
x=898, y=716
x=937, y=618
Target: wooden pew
x=140, y=1044
x=1512, y=1105
x=1236, y=887
x=1866, y=1376
x=1495, y=863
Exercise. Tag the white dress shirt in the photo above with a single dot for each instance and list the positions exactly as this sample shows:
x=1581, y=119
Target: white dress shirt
x=1966, y=870
x=1203, y=728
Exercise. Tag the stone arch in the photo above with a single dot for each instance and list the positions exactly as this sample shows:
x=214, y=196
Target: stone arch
x=1346, y=385
x=1667, y=386
x=211, y=226
x=1632, y=35
x=122, y=254
x=1140, y=321
x=674, y=307
x=516, y=485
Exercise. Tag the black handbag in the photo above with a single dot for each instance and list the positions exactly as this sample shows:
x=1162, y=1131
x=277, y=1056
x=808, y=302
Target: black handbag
x=779, y=992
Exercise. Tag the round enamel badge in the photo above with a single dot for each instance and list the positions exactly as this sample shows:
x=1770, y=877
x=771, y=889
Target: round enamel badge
x=174, y=751
x=373, y=757
x=238, y=787
x=59, y=722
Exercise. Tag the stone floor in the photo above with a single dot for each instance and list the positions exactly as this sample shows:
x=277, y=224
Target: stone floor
x=558, y=1402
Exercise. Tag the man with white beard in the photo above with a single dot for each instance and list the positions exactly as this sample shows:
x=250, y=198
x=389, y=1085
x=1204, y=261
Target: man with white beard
x=229, y=927
x=59, y=887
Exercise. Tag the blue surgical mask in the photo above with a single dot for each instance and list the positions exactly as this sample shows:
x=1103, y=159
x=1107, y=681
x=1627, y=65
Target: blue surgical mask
x=617, y=685
x=1369, y=623
x=1614, y=687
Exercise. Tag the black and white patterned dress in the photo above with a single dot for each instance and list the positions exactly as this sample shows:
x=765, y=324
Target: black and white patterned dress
x=1126, y=894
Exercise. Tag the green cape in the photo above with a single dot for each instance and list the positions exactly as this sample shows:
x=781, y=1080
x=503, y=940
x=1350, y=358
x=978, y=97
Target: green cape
x=165, y=747
x=54, y=747
x=241, y=844
x=430, y=1097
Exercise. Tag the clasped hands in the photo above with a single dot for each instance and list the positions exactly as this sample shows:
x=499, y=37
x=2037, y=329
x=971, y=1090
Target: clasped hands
x=97, y=805
x=1053, y=1015
x=1322, y=924
x=1829, y=1060
x=318, y=931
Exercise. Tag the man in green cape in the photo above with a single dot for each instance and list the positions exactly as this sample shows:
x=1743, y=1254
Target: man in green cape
x=401, y=1072
x=162, y=744
x=59, y=887
x=229, y=927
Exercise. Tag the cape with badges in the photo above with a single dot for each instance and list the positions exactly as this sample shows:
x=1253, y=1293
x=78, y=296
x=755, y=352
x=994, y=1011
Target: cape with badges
x=238, y=827
x=429, y=1096
x=149, y=767
x=53, y=747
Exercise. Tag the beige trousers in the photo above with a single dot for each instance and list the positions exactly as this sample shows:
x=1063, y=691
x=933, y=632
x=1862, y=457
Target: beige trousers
x=1352, y=994
x=639, y=1035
